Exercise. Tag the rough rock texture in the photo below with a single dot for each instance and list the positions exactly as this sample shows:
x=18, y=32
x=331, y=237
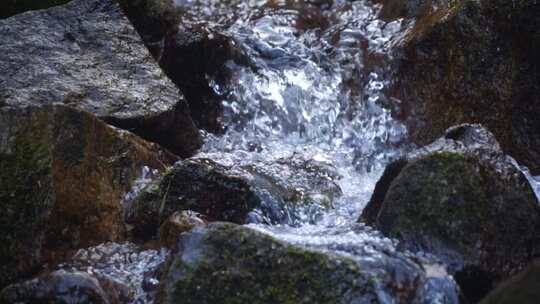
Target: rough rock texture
x=467, y=61
x=176, y=224
x=153, y=19
x=189, y=52
x=266, y=192
x=65, y=287
x=63, y=174
x=522, y=288
x=192, y=56
x=226, y=263
x=87, y=55
x=463, y=200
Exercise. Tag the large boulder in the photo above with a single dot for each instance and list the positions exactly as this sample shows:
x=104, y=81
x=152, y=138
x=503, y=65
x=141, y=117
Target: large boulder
x=470, y=61
x=63, y=175
x=521, y=288
x=226, y=263
x=86, y=54
x=272, y=192
x=462, y=199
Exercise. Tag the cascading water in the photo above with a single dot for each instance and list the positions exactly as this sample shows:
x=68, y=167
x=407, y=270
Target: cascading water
x=308, y=93
x=313, y=90
x=297, y=99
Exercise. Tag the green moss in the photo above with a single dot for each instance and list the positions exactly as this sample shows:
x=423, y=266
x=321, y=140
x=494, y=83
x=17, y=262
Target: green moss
x=441, y=195
x=25, y=198
x=240, y=265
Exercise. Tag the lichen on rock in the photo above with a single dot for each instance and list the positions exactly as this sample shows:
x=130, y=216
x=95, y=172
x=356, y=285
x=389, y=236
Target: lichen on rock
x=227, y=263
x=463, y=200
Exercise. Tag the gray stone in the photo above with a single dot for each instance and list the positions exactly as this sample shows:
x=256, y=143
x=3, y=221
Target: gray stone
x=86, y=54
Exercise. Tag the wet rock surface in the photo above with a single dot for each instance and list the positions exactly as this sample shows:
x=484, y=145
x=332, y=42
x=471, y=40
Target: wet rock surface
x=193, y=56
x=153, y=20
x=87, y=55
x=224, y=263
x=462, y=199
x=190, y=53
x=470, y=62
x=107, y=273
x=63, y=287
x=178, y=223
x=521, y=288
x=62, y=179
x=274, y=192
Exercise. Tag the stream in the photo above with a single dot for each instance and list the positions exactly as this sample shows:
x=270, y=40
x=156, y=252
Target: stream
x=308, y=92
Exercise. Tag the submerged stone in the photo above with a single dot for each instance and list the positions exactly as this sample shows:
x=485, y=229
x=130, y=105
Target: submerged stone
x=463, y=200
x=226, y=263
x=63, y=174
x=87, y=55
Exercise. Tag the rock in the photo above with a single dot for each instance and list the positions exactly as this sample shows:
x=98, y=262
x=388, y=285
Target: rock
x=65, y=287
x=193, y=56
x=522, y=288
x=153, y=20
x=463, y=200
x=87, y=55
x=176, y=224
x=63, y=174
x=9, y=8
x=470, y=61
x=266, y=192
x=226, y=263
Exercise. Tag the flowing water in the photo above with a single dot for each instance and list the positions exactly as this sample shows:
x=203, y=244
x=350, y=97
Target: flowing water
x=313, y=89
x=309, y=92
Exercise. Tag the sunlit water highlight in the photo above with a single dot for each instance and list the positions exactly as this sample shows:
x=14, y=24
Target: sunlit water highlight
x=308, y=91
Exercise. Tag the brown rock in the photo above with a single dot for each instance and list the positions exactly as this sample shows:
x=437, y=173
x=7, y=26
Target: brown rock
x=62, y=179
x=471, y=62
x=176, y=224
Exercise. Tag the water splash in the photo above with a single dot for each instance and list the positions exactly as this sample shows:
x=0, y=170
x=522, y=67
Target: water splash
x=125, y=264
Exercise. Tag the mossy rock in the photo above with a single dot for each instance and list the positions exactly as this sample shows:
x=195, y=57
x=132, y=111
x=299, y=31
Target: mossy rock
x=466, y=61
x=63, y=175
x=465, y=202
x=227, y=263
x=270, y=192
x=26, y=196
